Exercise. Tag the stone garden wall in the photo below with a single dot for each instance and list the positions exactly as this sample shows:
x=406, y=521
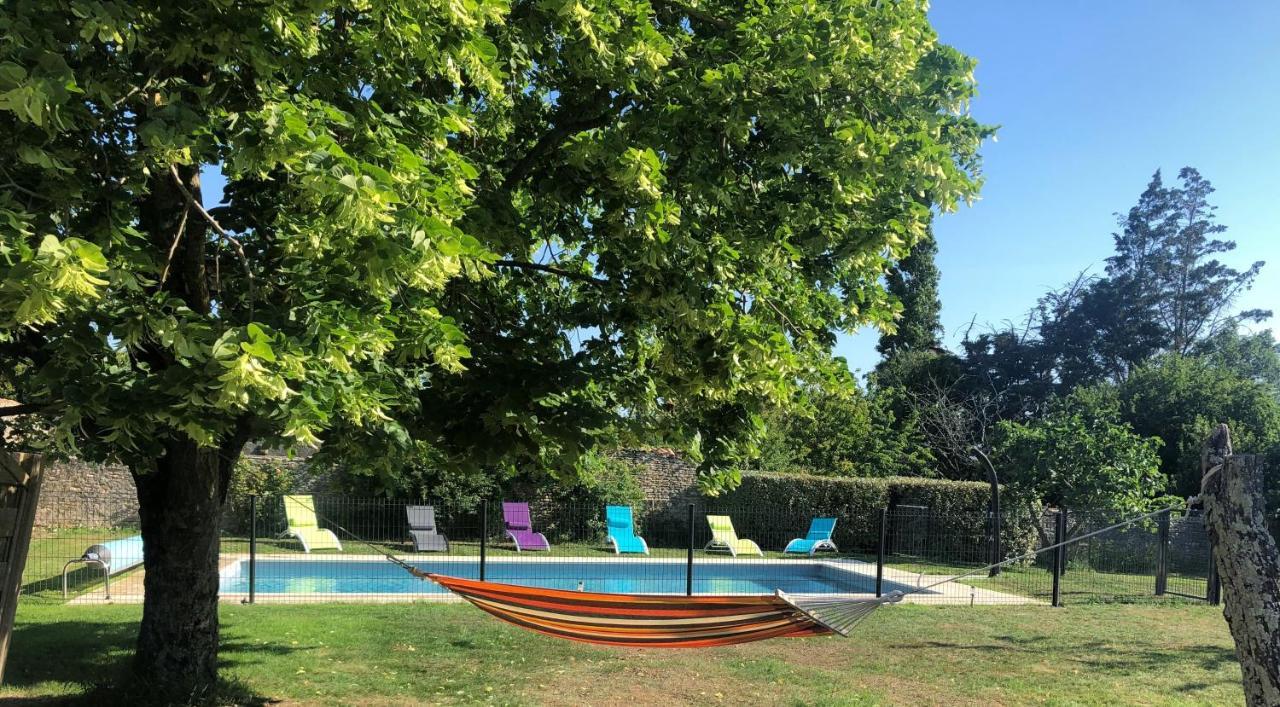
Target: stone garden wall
x=78, y=494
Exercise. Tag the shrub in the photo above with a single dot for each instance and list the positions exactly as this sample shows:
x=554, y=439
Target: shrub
x=266, y=478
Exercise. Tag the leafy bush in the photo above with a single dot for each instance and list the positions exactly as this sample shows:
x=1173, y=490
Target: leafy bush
x=267, y=479
x=1181, y=399
x=1081, y=456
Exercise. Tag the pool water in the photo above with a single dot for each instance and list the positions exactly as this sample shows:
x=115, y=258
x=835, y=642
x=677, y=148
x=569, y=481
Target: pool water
x=623, y=576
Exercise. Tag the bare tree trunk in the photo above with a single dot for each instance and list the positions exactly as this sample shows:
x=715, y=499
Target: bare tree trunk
x=180, y=505
x=1247, y=562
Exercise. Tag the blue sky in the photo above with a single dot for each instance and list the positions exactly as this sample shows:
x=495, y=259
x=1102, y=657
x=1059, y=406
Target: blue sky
x=1092, y=98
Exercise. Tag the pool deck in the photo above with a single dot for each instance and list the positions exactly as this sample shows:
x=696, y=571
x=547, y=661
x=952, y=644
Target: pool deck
x=128, y=588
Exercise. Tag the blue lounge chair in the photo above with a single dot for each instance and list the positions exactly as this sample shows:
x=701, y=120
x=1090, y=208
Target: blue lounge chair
x=622, y=531
x=818, y=538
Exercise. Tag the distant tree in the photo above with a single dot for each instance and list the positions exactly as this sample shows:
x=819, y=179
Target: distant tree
x=1181, y=399
x=1094, y=329
x=1165, y=266
x=842, y=433
x=914, y=283
x=1081, y=455
x=1254, y=356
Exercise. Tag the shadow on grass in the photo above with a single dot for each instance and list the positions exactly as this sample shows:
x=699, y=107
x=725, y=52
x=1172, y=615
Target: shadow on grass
x=96, y=656
x=1101, y=656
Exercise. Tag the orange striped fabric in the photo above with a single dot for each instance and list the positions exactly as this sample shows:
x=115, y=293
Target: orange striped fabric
x=635, y=619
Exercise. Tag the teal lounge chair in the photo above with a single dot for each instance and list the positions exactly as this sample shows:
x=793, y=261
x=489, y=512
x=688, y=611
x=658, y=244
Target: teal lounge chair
x=818, y=538
x=622, y=530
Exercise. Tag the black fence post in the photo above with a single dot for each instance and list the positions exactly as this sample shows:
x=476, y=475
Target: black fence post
x=880, y=550
x=484, y=535
x=1162, y=554
x=688, y=569
x=1214, y=591
x=253, y=546
x=1059, y=554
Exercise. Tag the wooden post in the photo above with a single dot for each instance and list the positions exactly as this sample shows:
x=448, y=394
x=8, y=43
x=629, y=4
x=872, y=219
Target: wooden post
x=19, y=495
x=1248, y=567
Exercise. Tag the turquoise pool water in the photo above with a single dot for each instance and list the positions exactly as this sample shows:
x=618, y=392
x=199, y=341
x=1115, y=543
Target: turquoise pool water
x=335, y=576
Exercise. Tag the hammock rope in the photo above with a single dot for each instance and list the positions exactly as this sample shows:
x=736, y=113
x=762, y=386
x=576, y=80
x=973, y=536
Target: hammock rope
x=671, y=621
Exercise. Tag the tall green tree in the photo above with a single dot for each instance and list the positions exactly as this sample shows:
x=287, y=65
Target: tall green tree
x=914, y=283
x=504, y=230
x=1081, y=455
x=1181, y=399
x=841, y=433
x=1165, y=267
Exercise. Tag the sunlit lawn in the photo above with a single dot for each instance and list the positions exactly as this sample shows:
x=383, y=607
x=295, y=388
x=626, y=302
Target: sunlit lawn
x=432, y=653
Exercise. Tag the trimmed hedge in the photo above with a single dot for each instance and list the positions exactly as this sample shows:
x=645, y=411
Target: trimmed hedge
x=954, y=527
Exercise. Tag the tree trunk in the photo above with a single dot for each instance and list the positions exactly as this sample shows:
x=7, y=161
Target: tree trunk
x=180, y=505
x=1245, y=555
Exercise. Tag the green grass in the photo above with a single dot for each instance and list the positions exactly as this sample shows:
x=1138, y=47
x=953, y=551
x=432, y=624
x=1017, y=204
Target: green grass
x=1078, y=584
x=453, y=654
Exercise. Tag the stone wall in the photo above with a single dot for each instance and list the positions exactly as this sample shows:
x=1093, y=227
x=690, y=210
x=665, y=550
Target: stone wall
x=78, y=494
x=665, y=477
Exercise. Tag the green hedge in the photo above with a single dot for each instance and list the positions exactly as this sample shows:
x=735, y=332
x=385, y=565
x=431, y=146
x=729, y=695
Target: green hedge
x=954, y=528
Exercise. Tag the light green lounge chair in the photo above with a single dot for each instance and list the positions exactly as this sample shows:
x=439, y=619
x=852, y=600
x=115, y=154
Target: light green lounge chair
x=301, y=514
x=725, y=539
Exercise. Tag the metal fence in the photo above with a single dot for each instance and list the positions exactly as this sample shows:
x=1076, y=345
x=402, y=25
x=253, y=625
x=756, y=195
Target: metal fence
x=273, y=554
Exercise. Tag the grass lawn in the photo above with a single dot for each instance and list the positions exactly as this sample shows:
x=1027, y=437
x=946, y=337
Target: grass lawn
x=451, y=654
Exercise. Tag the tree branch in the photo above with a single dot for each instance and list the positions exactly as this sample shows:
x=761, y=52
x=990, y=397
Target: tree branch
x=239, y=247
x=561, y=131
x=693, y=13
x=11, y=410
x=523, y=265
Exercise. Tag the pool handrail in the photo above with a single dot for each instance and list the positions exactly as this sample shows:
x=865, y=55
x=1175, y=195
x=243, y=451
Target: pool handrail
x=112, y=557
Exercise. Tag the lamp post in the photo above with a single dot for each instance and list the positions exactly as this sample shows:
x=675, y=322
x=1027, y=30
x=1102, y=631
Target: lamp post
x=993, y=509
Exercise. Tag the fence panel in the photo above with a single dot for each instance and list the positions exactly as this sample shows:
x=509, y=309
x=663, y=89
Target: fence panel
x=327, y=548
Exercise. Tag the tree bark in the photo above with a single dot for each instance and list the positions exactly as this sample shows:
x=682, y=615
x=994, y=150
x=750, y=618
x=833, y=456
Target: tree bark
x=180, y=505
x=1245, y=555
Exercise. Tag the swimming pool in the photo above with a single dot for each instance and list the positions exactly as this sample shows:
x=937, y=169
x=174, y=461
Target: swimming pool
x=340, y=576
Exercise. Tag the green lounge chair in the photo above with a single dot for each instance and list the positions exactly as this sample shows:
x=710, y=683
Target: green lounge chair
x=725, y=539
x=301, y=514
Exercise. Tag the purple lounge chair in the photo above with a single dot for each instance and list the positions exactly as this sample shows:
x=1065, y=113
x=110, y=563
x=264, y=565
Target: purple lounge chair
x=520, y=528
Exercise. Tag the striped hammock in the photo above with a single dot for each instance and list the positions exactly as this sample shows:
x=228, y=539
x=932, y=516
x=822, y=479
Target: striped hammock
x=653, y=621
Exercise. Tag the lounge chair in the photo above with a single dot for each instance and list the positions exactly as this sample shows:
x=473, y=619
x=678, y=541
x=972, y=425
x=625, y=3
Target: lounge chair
x=300, y=511
x=622, y=531
x=422, y=528
x=818, y=537
x=112, y=557
x=520, y=528
x=725, y=539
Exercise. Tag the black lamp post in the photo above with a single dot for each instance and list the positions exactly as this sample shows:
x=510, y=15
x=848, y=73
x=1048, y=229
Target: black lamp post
x=994, y=509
